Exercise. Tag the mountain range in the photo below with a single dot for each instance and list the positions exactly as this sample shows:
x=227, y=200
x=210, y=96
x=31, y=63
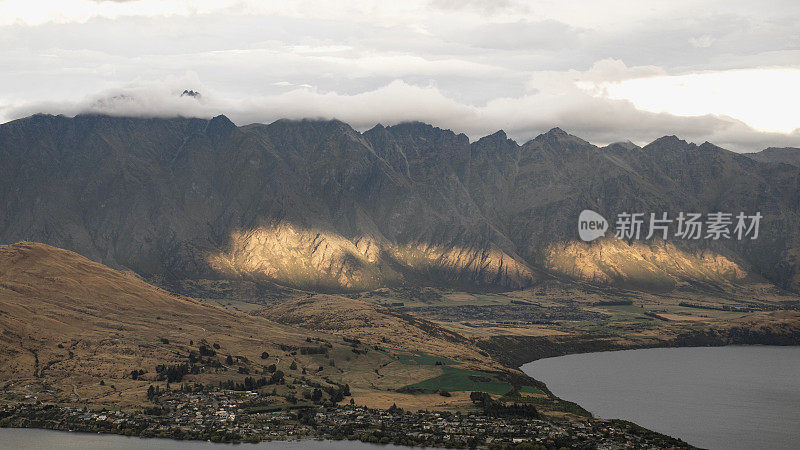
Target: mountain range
x=319, y=205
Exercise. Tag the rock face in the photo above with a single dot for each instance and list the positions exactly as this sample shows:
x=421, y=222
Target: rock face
x=786, y=155
x=318, y=205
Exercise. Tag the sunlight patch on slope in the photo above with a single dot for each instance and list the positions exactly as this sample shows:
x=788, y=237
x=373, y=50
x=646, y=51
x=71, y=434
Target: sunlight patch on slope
x=657, y=265
x=316, y=258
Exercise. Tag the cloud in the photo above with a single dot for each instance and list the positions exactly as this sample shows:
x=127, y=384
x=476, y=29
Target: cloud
x=545, y=35
x=473, y=66
x=554, y=99
x=765, y=98
x=703, y=41
x=489, y=6
x=39, y=12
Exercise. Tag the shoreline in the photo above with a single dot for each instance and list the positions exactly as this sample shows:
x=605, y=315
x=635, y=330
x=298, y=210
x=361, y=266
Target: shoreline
x=516, y=351
x=668, y=389
x=560, y=347
x=396, y=427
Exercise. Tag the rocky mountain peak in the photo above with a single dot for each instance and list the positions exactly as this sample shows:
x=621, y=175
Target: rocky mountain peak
x=667, y=141
x=626, y=144
x=190, y=93
x=220, y=126
x=557, y=139
x=499, y=137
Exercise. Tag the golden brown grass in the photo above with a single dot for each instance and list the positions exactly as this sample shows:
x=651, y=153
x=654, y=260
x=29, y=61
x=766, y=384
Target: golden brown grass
x=66, y=323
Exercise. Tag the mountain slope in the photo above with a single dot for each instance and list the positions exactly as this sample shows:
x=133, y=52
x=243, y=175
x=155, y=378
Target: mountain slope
x=72, y=330
x=318, y=205
x=67, y=323
x=786, y=155
x=375, y=325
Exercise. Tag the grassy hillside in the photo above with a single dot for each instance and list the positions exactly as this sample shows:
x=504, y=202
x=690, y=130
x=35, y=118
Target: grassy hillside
x=72, y=330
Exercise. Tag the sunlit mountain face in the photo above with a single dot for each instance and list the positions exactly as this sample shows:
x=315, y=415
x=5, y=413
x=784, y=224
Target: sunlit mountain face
x=316, y=204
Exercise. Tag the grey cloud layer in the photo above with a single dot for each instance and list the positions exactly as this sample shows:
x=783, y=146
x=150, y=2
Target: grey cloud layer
x=474, y=67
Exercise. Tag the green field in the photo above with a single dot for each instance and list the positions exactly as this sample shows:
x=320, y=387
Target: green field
x=455, y=379
x=531, y=390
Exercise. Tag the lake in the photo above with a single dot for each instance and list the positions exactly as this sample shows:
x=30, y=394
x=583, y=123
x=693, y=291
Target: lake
x=737, y=397
x=36, y=439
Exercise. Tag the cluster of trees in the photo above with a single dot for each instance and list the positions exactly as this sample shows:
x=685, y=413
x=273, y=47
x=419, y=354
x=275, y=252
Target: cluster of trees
x=208, y=360
x=250, y=384
x=175, y=373
x=206, y=350
x=153, y=392
x=494, y=408
x=336, y=392
x=321, y=350
x=277, y=378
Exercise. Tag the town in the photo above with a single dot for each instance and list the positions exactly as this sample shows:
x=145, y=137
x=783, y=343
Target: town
x=220, y=415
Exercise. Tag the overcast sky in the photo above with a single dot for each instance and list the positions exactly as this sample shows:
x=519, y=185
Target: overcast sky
x=723, y=71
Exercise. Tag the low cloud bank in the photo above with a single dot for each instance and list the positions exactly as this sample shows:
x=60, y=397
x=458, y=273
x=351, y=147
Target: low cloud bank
x=551, y=99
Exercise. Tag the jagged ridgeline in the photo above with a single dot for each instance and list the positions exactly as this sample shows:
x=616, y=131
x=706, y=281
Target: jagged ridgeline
x=316, y=204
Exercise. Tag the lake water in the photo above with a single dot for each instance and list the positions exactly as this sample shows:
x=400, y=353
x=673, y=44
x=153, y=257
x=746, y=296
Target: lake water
x=36, y=439
x=715, y=397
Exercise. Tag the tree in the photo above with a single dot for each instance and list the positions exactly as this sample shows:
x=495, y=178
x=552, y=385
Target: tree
x=316, y=395
x=264, y=355
x=276, y=377
x=153, y=392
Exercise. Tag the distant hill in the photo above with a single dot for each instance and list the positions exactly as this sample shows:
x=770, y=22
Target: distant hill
x=318, y=205
x=786, y=155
